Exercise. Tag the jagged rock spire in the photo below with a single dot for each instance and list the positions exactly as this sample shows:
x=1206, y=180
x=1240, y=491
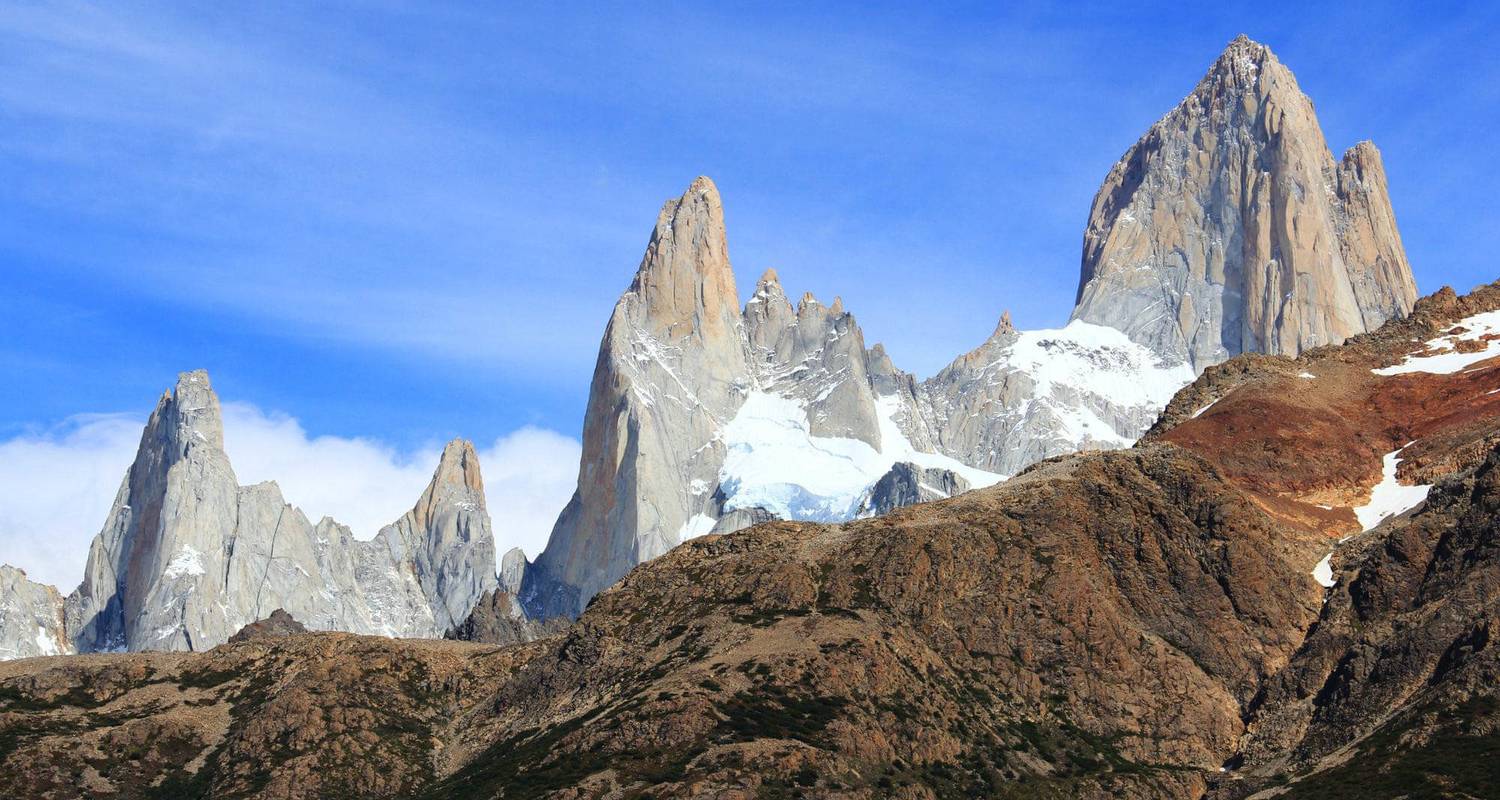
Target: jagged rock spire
x=187, y=556
x=685, y=285
x=815, y=353
x=1230, y=228
x=154, y=568
x=671, y=371
x=446, y=538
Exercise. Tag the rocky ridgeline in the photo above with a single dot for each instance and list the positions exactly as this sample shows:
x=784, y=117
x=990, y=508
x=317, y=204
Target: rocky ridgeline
x=1227, y=228
x=188, y=557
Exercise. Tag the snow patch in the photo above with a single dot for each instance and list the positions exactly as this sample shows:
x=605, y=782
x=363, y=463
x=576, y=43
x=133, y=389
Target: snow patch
x=695, y=527
x=1096, y=359
x=1199, y=412
x=1306, y=375
x=187, y=562
x=1323, y=572
x=1448, y=360
x=1389, y=497
x=46, y=643
x=772, y=460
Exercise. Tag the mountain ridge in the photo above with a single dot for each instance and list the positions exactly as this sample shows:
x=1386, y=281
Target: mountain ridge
x=1140, y=623
x=187, y=556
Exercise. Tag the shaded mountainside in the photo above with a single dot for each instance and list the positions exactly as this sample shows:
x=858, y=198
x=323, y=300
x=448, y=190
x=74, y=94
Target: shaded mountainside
x=1073, y=630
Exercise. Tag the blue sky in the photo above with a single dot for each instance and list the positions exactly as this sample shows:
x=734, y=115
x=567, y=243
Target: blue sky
x=406, y=222
x=411, y=221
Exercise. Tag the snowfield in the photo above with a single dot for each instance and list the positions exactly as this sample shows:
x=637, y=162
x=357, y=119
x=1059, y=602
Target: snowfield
x=187, y=561
x=1098, y=360
x=774, y=462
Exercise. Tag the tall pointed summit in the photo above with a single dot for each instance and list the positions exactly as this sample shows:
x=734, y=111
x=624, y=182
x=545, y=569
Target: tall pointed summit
x=446, y=539
x=671, y=371
x=1229, y=227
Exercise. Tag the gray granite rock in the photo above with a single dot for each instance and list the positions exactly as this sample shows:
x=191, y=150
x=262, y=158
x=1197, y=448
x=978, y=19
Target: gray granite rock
x=187, y=557
x=671, y=371
x=444, y=543
x=512, y=570
x=1229, y=227
x=815, y=354
x=31, y=617
x=741, y=518
x=908, y=484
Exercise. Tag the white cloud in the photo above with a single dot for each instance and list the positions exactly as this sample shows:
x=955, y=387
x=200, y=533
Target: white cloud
x=56, y=486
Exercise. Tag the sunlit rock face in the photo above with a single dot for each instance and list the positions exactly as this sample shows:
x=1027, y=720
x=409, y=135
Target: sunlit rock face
x=1229, y=227
x=187, y=556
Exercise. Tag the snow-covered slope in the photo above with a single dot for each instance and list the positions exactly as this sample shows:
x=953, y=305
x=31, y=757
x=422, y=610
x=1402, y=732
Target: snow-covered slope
x=1390, y=497
x=774, y=462
x=1024, y=396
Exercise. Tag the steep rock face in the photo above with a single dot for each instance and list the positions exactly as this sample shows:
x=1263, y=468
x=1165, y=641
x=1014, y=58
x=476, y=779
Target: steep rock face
x=908, y=484
x=31, y=617
x=445, y=541
x=512, y=570
x=1229, y=227
x=815, y=354
x=157, y=572
x=671, y=371
x=187, y=556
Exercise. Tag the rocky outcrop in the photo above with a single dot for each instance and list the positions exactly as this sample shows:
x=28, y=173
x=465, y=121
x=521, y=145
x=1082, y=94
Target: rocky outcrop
x=815, y=354
x=31, y=617
x=187, y=557
x=278, y=625
x=498, y=619
x=908, y=484
x=1229, y=227
x=741, y=518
